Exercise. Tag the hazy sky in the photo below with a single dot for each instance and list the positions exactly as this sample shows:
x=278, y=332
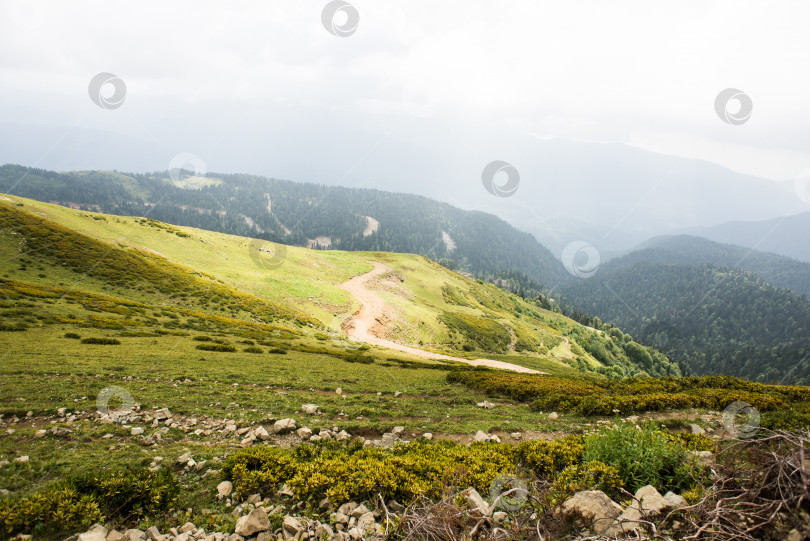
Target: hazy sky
x=643, y=73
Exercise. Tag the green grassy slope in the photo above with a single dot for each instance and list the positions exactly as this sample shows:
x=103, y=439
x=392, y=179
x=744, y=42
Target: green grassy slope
x=431, y=307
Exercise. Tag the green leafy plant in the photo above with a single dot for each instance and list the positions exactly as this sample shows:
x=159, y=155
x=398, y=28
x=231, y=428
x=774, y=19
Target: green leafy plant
x=643, y=455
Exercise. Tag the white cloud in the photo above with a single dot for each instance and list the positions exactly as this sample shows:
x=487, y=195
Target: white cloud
x=640, y=72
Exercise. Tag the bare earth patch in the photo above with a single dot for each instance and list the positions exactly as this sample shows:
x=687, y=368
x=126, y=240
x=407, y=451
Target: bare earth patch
x=368, y=324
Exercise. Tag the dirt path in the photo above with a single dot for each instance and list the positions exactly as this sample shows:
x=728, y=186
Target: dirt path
x=361, y=325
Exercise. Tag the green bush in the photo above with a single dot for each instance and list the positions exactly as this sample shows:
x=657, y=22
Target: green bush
x=78, y=502
x=101, y=341
x=592, y=475
x=277, y=351
x=202, y=338
x=58, y=510
x=357, y=358
x=547, y=458
x=72, y=335
x=216, y=347
x=643, y=455
x=253, y=349
x=342, y=472
x=130, y=494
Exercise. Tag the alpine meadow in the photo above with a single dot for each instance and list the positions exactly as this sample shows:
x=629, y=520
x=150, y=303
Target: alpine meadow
x=341, y=271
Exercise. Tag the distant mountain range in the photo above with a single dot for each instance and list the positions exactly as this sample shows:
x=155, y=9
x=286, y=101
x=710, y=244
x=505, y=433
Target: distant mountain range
x=786, y=235
x=612, y=196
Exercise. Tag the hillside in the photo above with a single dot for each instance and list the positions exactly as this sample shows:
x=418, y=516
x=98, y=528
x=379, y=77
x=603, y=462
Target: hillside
x=778, y=270
x=299, y=214
x=712, y=319
x=177, y=380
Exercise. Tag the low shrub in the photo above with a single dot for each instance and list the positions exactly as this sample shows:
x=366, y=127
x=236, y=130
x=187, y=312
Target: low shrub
x=202, y=338
x=277, y=351
x=547, y=458
x=72, y=335
x=357, y=358
x=216, y=347
x=101, y=341
x=253, y=349
x=58, y=510
x=130, y=494
x=343, y=472
x=84, y=499
x=632, y=395
x=592, y=475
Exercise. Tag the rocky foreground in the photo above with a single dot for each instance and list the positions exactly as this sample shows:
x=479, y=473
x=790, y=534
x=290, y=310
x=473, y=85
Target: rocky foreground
x=354, y=522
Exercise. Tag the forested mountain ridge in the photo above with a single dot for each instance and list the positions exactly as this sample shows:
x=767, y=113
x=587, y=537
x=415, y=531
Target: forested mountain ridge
x=781, y=271
x=299, y=214
x=711, y=319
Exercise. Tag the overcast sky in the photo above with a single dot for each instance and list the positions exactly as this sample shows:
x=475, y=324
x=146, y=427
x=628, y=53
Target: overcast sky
x=642, y=73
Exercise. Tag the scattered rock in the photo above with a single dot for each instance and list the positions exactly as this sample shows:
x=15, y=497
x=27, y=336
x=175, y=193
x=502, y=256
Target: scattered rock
x=96, y=533
x=427, y=436
x=486, y=404
x=595, y=506
x=312, y=409
x=397, y=394
x=114, y=535
x=338, y=391
x=253, y=523
x=704, y=458
x=649, y=501
x=136, y=431
x=283, y=425
x=153, y=534
x=696, y=429
x=22, y=459
x=475, y=501
x=398, y=430
x=676, y=501
x=134, y=535
x=324, y=531
x=40, y=433
x=481, y=436
x=291, y=525
x=553, y=415
x=304, y=433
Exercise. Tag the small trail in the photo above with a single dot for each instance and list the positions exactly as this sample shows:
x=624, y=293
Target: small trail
x=372, y=311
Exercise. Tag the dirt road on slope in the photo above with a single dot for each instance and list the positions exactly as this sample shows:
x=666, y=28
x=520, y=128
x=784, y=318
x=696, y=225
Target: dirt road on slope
x=368, y=322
